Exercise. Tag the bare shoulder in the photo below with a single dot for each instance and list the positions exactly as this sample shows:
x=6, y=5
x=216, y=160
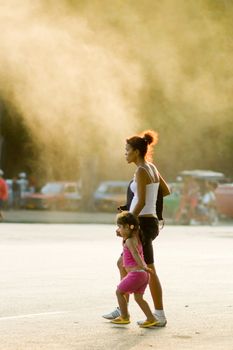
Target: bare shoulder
x=131, y=242
x=141, y=172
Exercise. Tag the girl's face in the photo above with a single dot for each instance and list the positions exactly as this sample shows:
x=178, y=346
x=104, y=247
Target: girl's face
x=130, y=153
x=123, y=231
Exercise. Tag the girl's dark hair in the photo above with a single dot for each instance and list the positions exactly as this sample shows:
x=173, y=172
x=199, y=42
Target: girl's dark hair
x=144, y=143
x=127, y=218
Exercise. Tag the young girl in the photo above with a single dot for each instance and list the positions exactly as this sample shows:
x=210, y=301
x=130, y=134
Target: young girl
x=137, y=277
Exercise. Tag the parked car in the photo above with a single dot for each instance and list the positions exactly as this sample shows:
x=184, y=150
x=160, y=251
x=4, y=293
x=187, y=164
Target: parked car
x=55, y=196
x=110, y=195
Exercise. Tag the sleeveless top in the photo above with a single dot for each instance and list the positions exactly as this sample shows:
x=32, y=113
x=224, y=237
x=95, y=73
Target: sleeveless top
x=150, y=196
x=128, y=259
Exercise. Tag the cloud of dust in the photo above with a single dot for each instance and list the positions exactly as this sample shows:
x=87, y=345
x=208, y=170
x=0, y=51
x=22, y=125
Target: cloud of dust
x=76, y=94
x=78, y=70
x=192, y=51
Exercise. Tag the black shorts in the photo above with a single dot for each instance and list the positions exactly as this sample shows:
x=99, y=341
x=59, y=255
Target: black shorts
x=149, y=230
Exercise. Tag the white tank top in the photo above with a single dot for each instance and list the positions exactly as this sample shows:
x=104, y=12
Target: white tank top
x=150, y=198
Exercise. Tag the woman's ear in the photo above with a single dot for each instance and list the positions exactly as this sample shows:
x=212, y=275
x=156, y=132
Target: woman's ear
x=137, y=152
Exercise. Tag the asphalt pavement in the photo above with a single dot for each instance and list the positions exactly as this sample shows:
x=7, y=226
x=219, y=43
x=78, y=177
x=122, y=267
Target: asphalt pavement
x=57, y=280
x=57, y=217
x=70, y=217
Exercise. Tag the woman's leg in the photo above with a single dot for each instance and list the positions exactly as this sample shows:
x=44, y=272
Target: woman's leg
x=157, y=297
x=155, y=289
x=149, y=230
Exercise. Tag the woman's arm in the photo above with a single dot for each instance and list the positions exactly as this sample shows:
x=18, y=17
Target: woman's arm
x=159, y=203
x=128, y=200
x=165, y=188
x=141, y=190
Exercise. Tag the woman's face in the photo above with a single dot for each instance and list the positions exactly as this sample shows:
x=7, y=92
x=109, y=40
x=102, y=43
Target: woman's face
x=130, y=153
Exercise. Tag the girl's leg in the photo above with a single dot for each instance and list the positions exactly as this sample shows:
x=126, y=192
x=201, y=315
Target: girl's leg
x=145, y=307
x=123, y=272
x=155, y=289
x=116, y=312
x=122, y=302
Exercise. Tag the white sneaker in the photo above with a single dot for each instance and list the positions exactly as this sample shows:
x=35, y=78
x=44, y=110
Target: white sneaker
x=162, y=321
x=114, y=314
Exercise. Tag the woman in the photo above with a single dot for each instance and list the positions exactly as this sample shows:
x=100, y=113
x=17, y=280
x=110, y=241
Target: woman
x=145, y=188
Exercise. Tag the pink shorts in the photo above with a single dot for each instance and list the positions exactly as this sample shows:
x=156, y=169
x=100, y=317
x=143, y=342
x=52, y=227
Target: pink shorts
x=134, y=282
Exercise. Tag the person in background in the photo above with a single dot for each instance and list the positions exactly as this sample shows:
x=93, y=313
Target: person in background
x=207, y=207
x=3, y=193
x=32, y=184
x=189, y=201
x=23, y=182
x=15, y=193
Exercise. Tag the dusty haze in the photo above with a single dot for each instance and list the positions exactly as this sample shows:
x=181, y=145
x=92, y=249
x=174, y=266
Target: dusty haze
x=80, y=73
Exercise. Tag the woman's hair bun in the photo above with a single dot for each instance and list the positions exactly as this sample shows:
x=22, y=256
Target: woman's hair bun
x=151, y=137
x=148, y=138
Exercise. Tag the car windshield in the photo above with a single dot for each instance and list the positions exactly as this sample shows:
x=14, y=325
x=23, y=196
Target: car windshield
x=117, y=189
x=106, y=188
x=51, y=188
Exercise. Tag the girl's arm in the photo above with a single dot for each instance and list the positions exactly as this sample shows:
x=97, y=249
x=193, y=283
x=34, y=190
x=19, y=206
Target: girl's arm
x=132, y=245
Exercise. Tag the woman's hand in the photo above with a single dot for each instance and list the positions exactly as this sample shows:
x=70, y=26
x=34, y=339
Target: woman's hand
x=149, y=270
x=161, y=224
